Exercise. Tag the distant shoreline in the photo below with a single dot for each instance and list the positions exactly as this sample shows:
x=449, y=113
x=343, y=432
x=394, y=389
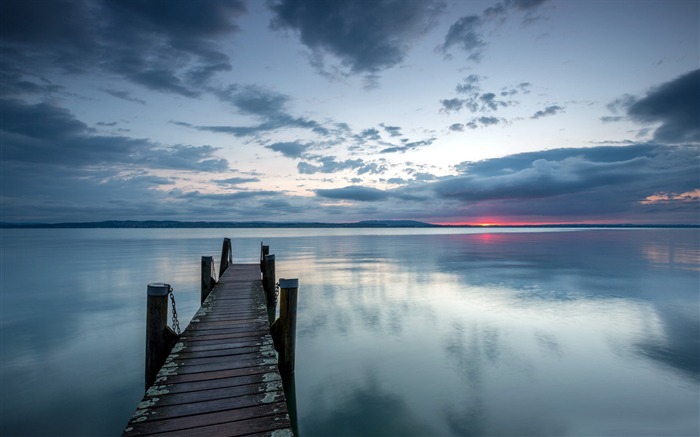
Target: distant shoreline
x=167, y=224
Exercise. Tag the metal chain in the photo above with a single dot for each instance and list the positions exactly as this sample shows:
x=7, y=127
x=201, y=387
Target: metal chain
x=277, y=292
x=176, y=322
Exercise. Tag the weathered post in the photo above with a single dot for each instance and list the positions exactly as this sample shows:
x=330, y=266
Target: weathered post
x=264, y=250
x=269, y=285
x=208, y=274
x=288, y=324
x=160, y=339
x=226, y=256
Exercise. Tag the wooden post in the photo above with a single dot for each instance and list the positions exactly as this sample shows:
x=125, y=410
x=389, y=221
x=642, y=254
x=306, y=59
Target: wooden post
x=226, y=256
x=288, y=323
x=269, y=285
x=208, y=274
x=160, y=339
x=264, y=250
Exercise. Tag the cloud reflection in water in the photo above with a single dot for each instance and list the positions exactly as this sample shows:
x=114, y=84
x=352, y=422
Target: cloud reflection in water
x=552, y=330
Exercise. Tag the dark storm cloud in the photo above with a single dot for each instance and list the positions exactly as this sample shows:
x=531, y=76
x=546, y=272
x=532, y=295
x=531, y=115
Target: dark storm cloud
x=43, y=133
x=354, y=192
x=549, y=110
x=367, y=36
x=676, y=105
x=164, y=45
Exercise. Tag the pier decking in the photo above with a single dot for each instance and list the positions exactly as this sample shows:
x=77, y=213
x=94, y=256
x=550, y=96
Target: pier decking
x=221, y=377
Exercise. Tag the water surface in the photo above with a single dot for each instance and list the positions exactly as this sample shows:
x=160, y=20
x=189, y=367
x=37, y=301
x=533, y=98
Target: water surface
x=400, y=331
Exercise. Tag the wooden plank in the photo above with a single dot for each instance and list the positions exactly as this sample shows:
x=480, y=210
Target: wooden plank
x=209, y=384
x=249, y=420
x=183, y=423
x=221, y=378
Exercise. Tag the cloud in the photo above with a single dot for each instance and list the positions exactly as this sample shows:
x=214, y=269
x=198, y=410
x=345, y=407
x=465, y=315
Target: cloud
x=163, y=45
x=47, y=134
x=266, y=105
x=621, y=104
x=393, y=131
x=529, y=7
x=471, y=84
x=484, y=121
x=612, y=119
x=370, y=134
x=452, y=104
x=292, y=149
x=366, y=36
x=255, y=100
x=578, y=183
x=465, y=34
x=235, y=181
x=354, y=192
x=549, y=110
x=688, y=196
x=476, y=102
x=329, y=164
x=641, y=182
x=674, y=104
x=489, y=101
x=124, y=95
x=408, y=146
x=457, y=127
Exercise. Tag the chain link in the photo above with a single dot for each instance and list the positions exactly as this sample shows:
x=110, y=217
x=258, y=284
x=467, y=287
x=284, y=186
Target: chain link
x=176, y=322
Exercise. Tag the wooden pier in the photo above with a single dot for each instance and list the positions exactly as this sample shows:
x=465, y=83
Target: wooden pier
x=221, y=376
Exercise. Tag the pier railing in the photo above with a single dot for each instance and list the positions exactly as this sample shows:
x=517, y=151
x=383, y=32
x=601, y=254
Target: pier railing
x=219, y=375
x=160, y=338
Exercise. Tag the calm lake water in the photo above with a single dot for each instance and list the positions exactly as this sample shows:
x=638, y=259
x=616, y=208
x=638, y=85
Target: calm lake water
x=400, y=332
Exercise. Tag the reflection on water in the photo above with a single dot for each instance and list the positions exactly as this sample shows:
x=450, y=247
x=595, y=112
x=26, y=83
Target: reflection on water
x=671, y=256
x=557, y=333
x=400, y=331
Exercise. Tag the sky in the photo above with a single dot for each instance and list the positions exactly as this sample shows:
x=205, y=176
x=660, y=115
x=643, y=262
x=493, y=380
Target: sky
x=469, y=111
